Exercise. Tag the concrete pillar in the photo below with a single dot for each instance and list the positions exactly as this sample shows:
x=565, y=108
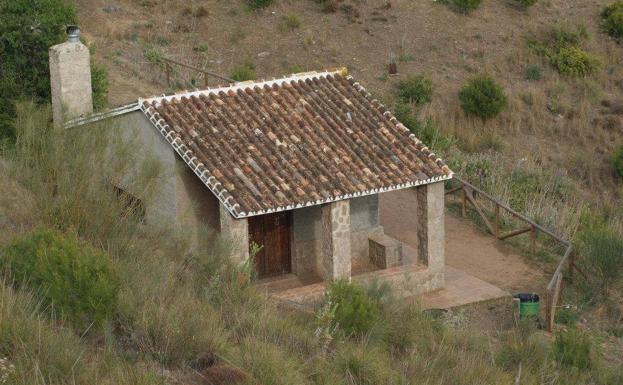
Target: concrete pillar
x=336, y=253
x=430, y=225
x=235, y=231
x=70, y=79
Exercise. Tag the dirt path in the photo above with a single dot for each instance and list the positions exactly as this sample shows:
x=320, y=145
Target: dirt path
x=467, y=248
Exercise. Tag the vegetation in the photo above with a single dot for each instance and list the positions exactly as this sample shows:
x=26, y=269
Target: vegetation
x=534, y=73
x=355, y=312
x=244, y=72
x=603, y=255
x=290, y=22
x=76, y=281
x=28, y=29
x=257, y=4
x=561, y=49
x=464, y=6
x=482, y=97
x=617, y=162
x=416, y=89
x=612, y=19
x=527, y=3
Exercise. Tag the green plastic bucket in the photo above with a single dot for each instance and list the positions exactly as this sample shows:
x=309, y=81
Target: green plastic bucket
x=528, y=305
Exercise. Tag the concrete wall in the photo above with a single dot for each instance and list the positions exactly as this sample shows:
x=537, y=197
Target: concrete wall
x=179, y=197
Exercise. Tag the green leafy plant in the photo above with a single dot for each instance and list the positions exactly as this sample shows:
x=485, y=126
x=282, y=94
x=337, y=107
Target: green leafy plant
x=77, y=281
x=617, y=162
x=482, y=97
x=602, y=252
x=355, y=312
x=612, y=19
x=561, y=49
x=243, y=73
x=99, y=86
x=425, y=130
x=416, y=89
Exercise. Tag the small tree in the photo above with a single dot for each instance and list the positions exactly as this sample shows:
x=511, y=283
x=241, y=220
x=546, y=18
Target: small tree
x=482, y=97
x=354, y=311
x=416, y=89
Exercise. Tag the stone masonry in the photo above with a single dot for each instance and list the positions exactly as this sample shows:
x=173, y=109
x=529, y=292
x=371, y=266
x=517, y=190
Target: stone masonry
x=70, y=78
x=430, y=225
x=336, y=251
x=235, y=231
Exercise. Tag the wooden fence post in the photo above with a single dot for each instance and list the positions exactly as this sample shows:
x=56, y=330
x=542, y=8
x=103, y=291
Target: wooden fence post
x=168, y=70
x=464, y=211
x=533, y=241
x=497, y=220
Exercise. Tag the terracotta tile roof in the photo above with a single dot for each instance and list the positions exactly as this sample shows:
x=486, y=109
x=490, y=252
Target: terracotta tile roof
x=299, y=141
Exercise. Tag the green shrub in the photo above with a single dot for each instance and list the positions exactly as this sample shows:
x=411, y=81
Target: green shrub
x=617, y=162
x=78, y=282
x=561, y=48
x=99, y=85
x=534, y=73
x=482, y=97
x=612, y=19
x=416, y=89
x=356, y=313
x=426, y=131
x=573, y=349
x=602, y=254
x=256, y=4
x=527, y=3
x=573, y=61
x=464, y=6
x=243, y=73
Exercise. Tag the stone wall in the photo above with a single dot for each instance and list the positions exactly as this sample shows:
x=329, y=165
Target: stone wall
x=307, y=234
x=336, y=229
x=430, y=227
x=70, y=80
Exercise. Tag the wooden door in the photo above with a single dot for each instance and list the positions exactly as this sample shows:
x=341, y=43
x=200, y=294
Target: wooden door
x=272, y=231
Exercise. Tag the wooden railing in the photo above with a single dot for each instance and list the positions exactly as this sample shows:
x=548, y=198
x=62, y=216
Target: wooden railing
x=168, y=67
x=554, y=287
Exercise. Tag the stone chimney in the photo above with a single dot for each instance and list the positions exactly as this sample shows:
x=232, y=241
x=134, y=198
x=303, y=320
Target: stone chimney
x=70, y=78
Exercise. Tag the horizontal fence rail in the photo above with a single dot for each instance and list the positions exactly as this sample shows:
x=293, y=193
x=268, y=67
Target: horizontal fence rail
x=168, y=67
x=554, y=287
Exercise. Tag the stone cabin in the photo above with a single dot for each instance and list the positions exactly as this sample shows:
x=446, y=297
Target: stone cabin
x=294, y=164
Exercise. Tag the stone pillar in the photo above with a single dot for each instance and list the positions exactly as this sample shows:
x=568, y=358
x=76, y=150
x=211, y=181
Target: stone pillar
x=336, y=253
x=70, y=79
x=235, y=231
x=430, y=225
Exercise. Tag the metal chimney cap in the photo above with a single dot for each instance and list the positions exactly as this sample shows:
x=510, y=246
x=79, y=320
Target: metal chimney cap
x=73, y=33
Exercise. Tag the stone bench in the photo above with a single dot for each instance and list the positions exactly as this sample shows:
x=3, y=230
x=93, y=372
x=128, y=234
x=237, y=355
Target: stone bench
x=385, y=251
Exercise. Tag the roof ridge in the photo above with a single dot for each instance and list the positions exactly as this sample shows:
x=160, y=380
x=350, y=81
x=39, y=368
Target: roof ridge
x=245, y=85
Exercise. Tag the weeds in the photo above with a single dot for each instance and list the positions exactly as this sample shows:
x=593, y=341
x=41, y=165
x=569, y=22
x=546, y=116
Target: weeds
x=617, y=162
x=244, y=73
x=482, y=97
x=612, y=19
x=416, y=89
x=289, y=23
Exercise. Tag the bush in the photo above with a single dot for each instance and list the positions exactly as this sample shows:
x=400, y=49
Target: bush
x=573, y=349
x=617, y=162
x=574, y=62
x=527, y=3
x=602, y=252
x=465, y=6
x=256, y=4
x=560, y=48
x=289, y=22
x=75, y=280
x=426, y=131
x=612, y=19
x=356, y=313
x=243, y=73
x=482, y=97
x=534, y=73
x=99, y=86
x=416, y=89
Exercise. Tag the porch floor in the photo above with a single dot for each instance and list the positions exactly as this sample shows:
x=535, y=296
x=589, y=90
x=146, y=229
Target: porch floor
x=460, y=288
